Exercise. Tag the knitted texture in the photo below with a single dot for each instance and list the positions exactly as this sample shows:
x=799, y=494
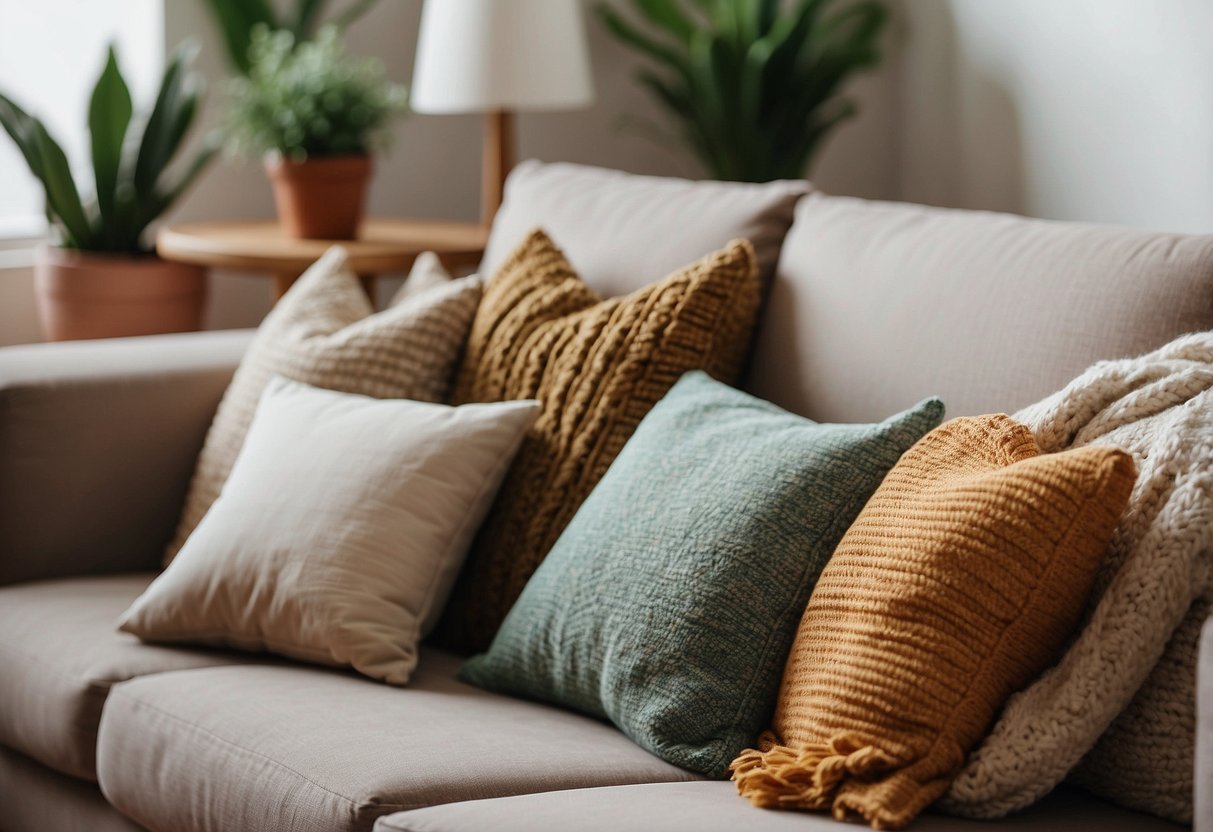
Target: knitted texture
x=325, y=333
x=597, y=367
x=669, y=603
x=958, y=582
x=1130, y=675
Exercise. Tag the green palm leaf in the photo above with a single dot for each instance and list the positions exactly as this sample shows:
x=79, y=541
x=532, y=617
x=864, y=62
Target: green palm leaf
x=755, y=89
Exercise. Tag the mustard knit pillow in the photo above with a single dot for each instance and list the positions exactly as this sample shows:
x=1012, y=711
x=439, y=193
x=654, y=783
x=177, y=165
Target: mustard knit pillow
x=596, y=367
x=957, y=584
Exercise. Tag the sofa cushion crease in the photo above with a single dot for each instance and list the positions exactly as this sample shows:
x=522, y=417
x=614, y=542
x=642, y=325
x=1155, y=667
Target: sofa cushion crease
x=60, y=655
x=299, y=748
x=713, y=806
x=34, y=798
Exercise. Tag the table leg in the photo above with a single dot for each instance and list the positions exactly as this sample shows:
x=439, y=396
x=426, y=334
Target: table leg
x=284, y=281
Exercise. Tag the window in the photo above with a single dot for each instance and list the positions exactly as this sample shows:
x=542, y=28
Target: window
x=51, y=52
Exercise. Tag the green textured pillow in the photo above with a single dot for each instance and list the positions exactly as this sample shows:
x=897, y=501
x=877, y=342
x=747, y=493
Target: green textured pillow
x=669, y=603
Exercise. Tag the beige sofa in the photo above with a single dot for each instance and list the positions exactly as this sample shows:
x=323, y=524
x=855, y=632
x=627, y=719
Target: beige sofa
x=874, y=306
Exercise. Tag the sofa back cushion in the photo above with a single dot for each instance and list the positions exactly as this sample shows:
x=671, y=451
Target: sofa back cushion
x=621, y=231
x=876, y=305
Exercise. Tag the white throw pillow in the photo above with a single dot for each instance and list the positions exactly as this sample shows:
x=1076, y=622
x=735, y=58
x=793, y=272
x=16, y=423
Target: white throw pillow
x=339, y=531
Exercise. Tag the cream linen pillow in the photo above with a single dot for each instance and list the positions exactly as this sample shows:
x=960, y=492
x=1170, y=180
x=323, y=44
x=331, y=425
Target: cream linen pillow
x=324, y=332
x=339, y=531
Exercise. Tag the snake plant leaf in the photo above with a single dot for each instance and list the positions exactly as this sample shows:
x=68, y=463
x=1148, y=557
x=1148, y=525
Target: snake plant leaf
x=62, y=197
x=235, y=20
x=109, y=115
x=171, y=116
x=167, y=193
x=20, y=127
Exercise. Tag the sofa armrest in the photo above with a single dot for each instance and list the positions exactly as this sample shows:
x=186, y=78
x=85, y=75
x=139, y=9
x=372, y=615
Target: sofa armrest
x=97, y=443
x=1202, y=784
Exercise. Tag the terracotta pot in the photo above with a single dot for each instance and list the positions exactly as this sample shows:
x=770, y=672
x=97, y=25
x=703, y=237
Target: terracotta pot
x=88, y=295
x=320, y=199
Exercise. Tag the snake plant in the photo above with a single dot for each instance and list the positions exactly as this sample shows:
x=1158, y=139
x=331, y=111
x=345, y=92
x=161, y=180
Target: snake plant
x=236, y=20
x=755, y=87
x=133, y=183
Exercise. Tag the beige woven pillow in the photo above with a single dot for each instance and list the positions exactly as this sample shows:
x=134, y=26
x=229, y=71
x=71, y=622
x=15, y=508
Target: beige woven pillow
x=324, y=332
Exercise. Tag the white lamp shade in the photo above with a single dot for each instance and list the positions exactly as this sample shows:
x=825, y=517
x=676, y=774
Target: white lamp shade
x=482, y=55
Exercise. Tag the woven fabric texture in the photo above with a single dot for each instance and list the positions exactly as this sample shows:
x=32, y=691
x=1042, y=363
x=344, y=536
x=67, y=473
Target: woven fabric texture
x=957, y=584
x=669, y=603
x=596, y=367
x=1122, y=699
x=325, y=333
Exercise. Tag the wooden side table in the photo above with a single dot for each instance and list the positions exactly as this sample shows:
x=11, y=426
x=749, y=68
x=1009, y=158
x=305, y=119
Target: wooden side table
x=383, y=246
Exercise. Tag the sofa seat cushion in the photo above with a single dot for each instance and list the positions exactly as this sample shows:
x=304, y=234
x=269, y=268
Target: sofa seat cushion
x=60, y=652
x=714, y=806
x=33, y=798
x=301, y=748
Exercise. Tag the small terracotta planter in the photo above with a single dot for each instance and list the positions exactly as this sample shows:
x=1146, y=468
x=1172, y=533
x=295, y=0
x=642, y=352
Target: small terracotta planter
x=322, y=198
x=88, y=295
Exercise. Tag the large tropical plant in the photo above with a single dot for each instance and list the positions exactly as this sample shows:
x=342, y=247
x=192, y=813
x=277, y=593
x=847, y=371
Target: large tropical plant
x=755, y=87
x=236, y=20
x=134, y=183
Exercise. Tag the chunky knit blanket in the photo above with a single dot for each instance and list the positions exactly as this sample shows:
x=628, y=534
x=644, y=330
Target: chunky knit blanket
x=1117, y=713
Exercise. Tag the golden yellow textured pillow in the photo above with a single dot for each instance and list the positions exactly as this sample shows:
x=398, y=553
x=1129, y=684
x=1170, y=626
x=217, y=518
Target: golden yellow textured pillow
x=957, y=584
x=596, y=367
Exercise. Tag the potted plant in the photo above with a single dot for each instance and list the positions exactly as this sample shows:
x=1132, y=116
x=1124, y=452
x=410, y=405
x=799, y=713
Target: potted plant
x=755, y=86
x=315, y=114
x=100, y=279
x=236, y=20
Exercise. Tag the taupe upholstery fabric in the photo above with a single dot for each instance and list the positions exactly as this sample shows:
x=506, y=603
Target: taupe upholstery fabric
x=98, y=439
x=34, y=798
x=876, y=305
x=295, y=749
x=59, y=655
x=1203, y=818
x=622, y=232
x=715, y=807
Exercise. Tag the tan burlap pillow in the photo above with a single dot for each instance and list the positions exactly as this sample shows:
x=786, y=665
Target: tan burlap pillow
x=958, y=582
x=597, y=367
x=324, y=332
x=1119, y=709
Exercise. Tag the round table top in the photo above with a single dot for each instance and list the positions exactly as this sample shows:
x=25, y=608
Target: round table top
x=383, y=245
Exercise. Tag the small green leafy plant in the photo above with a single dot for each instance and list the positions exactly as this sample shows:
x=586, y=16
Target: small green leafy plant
x=310, y=99
x=755, y=88
x=236, y=20
x=134, y=185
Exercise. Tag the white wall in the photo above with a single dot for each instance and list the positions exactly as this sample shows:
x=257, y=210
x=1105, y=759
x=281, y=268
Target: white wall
x=1084, y=109
x=1095, y=110
x=433, y=168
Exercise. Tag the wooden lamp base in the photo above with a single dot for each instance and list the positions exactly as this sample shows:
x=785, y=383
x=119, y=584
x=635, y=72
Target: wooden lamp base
x=498, y=159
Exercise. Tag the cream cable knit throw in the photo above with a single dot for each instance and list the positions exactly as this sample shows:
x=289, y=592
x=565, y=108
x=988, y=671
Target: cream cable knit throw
x=1129, y=677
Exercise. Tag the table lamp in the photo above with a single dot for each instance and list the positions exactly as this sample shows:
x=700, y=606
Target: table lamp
x=495, y=57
